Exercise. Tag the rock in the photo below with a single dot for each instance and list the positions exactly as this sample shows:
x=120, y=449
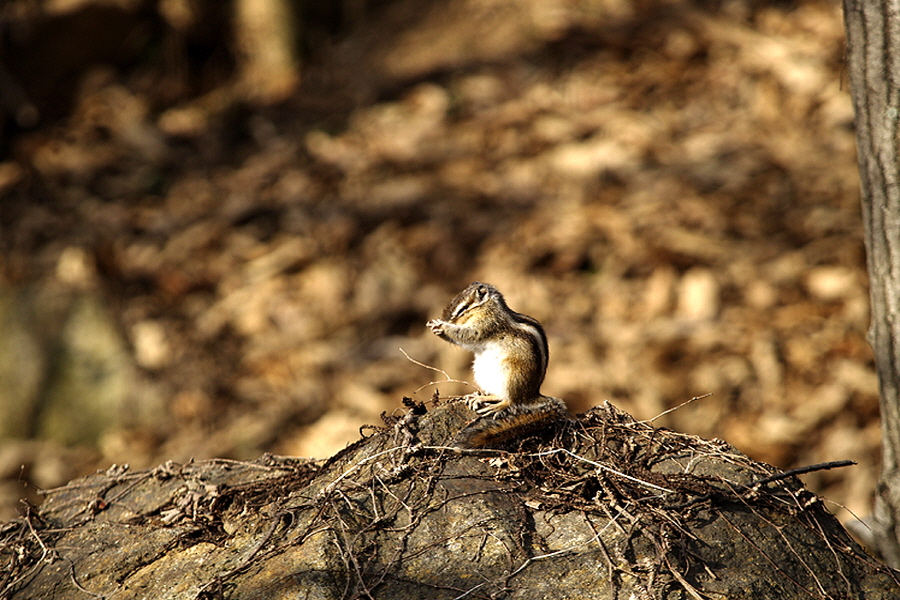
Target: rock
x=601, y=507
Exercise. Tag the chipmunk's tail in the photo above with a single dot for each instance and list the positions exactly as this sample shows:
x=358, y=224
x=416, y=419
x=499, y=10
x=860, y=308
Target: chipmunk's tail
x=512, y=424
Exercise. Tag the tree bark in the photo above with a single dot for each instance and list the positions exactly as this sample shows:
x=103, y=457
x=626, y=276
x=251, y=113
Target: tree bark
x=873, y=61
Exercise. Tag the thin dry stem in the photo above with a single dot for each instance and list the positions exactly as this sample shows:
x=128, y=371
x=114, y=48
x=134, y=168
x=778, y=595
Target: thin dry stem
x=674, y=408
x=441, y=371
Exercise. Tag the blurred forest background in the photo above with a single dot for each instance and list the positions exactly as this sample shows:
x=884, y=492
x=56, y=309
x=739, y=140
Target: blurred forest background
x=221, y=221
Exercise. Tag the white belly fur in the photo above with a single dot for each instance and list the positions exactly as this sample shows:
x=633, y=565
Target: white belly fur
x=490, y=371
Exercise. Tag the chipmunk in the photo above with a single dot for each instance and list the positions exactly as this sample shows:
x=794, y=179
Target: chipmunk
x=511, y=355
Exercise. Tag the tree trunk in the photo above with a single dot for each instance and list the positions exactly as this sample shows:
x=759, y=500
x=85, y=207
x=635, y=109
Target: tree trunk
x=266, y=34
x=873, y=41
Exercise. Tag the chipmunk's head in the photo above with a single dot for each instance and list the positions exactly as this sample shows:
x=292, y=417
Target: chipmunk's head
x=478, y=299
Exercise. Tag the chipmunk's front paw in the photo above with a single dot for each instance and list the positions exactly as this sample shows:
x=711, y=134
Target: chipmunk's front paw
x=436, y=326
